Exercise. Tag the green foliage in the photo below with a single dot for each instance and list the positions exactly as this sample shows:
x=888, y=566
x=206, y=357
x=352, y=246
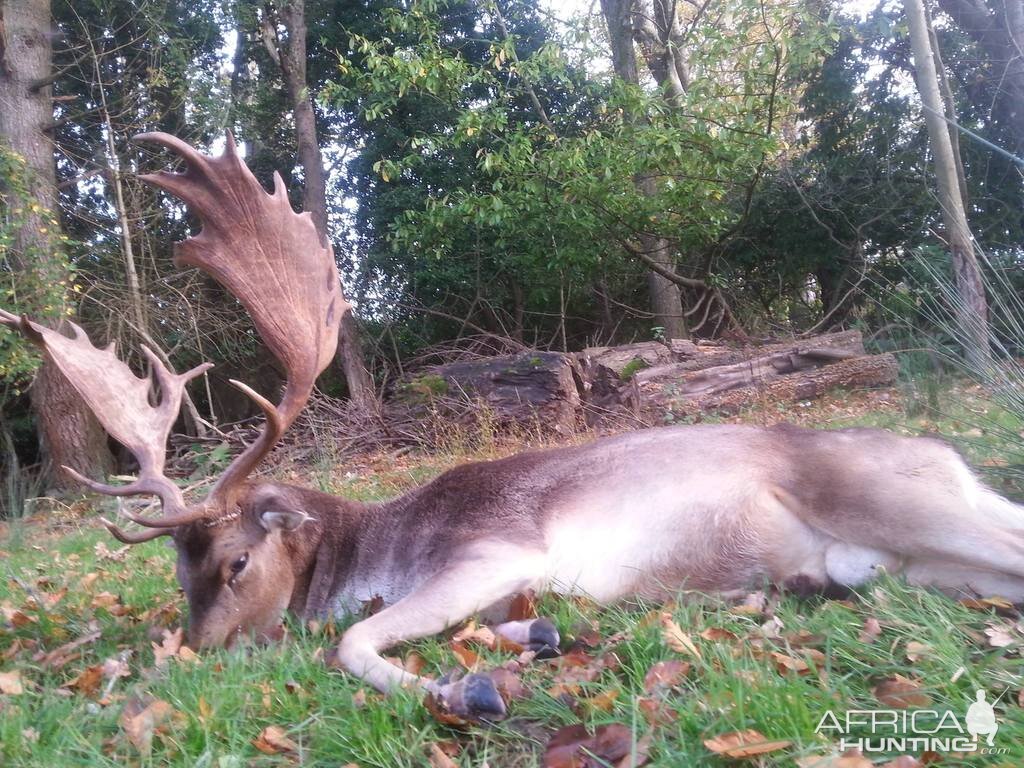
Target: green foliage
x=33, y=283
x=542, y=201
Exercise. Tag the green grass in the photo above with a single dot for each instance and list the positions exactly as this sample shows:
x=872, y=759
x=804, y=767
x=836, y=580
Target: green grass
x=225, y=699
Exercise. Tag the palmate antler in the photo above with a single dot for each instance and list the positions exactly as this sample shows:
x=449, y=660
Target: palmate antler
x=274, y=262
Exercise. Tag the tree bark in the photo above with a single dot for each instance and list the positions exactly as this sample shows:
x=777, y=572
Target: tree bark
x=68, y=432
x=971, y=307
x=665, y=295
x=290, y=54
x=949, y=109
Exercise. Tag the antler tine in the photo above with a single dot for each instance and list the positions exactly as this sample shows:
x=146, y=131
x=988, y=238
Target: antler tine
x=120, y=400
x=134, y=538
x=275, y=263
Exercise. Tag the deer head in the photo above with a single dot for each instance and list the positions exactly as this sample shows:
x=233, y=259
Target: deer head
x=233, y=561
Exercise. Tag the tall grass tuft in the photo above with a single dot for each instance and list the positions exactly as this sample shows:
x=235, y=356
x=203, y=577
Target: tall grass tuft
x=21, y=485
x=937, y=305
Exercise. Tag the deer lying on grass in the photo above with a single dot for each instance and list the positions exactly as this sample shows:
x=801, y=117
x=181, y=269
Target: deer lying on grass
x=707, y=508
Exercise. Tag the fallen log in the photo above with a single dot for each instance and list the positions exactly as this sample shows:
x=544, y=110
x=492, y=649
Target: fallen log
x=726, y=389
x=842, y=345
x=531, y=389
x=607, y=371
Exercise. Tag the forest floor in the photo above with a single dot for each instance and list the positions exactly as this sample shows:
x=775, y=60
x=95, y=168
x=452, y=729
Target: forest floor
x=92, y=672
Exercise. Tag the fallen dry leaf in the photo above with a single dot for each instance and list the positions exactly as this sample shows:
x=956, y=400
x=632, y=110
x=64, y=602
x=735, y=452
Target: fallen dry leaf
x=50, y=600
x=141, y=718
x=273, y=740
x=467, y=658
x=719, y=635
x=86, y=582
x=804, y=639
x=577, y=668
x=785, y=663
x=665, y=674
x=605, y=700
x=372, y=606
x=612, y=744
x=413, y=663
x=901, y=693
x=872, y=630
x=168, y=647
x=656, y=711
x=87, y=682
x=508, y=683
x=999, y=604
x=773, y=628
x=439, y=759
x=741, y=744
x=916, y=650
x=523, y=606
x=441, y=714
x=675, y=638
x=116, y=555
x=163, y=615
x=116, y=666
x=471, y=633
x=105, y=600
x=18, y=618
x=10, y=683
x=1001, y=635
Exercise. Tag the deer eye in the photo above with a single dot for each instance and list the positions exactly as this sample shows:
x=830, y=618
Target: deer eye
x=239, y=564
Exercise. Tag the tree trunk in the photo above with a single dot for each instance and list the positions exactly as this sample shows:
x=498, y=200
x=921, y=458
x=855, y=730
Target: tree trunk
x=69, y=434
x=665, y=296
x=971, y=306
x=290, y=55
x=949, y=109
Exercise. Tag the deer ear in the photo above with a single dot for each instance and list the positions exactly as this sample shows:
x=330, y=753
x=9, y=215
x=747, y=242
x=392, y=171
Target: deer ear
x=282, y=520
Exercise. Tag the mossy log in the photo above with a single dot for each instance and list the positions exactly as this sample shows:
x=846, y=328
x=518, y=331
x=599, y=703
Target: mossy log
x=532, y=389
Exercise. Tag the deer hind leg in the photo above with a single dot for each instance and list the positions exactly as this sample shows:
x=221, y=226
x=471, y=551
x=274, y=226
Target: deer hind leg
x=489, y=573
x=959, y=581
x=986, y=533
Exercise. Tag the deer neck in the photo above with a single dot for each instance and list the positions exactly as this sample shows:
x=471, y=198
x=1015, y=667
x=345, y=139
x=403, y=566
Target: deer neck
x=324, y=554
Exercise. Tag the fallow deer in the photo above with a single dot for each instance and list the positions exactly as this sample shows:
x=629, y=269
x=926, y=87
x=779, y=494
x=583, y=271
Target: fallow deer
x=704, y=508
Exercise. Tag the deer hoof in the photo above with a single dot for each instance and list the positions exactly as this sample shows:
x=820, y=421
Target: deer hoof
x=543, y=639
x=537, y=635
x=474, y=697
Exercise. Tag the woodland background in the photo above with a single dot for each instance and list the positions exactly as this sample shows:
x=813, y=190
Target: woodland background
x=497, y=175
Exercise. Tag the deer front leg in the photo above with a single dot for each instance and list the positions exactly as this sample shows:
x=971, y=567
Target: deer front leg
x=470, y=584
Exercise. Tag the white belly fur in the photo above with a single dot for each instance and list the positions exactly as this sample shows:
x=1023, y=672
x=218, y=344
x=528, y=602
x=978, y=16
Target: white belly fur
x=624, y=543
